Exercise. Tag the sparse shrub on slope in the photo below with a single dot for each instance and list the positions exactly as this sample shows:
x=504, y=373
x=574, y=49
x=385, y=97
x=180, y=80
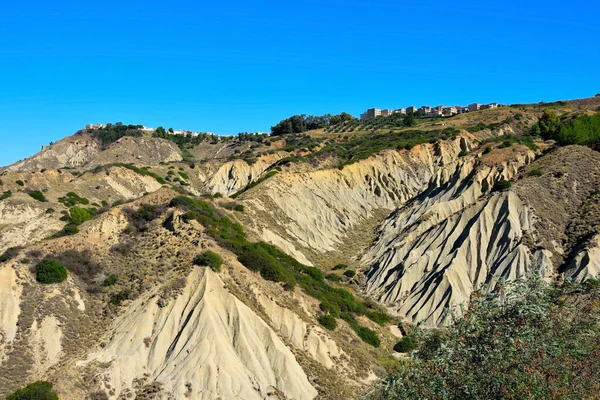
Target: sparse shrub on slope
x=39, y=196
x=40, y=390
x=50, y=271
x=405, y=345
x=525, y=341
x=80, y=215
x=501, y=185
x=5, y=195
x=328, y=322
x=209, y=259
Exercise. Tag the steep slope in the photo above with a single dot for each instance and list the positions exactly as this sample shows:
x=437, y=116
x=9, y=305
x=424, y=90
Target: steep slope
x=452, y=239
x=205, y=344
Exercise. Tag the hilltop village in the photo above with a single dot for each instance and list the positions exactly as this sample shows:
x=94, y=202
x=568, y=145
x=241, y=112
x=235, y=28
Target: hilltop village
x=427, y=111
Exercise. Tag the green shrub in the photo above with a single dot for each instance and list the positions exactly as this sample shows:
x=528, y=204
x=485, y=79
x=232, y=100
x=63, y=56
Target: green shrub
x=184, y=175
x=117, y=298
x=6, y=195
x=501, y=185
x=217, y=195
x=72, y=199
x=20, y=183
x=39, y=390
x=238, y=208
x=328, y=322
x=350, y=273
x=405, y=345
x=378, y=316
x=39, y=196
x=110, y=280
x=50, y=210
x=49, y=271
x=340, y=266
x=148, y=212
x=70, y=229
x=367, y=335
x=462, y=153
x=80, y=215
x=9, y=254
x=536, y=172
x=209, y=259
x=333, y=277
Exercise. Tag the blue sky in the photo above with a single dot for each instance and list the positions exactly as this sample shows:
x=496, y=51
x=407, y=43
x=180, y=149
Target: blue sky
x=234, y=66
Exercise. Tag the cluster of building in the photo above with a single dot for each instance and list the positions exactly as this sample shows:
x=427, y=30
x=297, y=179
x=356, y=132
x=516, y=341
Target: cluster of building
x=181, y=132
x=427, y=111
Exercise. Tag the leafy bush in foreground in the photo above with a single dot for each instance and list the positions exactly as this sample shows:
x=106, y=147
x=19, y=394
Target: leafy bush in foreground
x=50, y=271
x=40, y=390
x=525, y=341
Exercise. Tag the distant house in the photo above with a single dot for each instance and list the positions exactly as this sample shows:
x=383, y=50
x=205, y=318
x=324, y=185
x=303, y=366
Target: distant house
x=371, y=113
x=400, y=111
x=411, y=110
x=488, y=106
x=424, y=110
x=462, y=110
x=449, y=111
x=386, y=113
x=474, y=107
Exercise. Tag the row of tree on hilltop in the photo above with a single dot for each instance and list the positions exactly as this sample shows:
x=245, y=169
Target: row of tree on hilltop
x=302, y=123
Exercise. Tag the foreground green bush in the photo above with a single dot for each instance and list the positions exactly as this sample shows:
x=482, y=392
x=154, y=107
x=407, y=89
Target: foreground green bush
x=525, y=341
x=40, y=390
x=50, y=271
x=209, y=259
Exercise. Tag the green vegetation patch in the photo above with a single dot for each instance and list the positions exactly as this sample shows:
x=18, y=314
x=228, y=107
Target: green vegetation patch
x=40, y=390
x=72, y=199
x=328, y=322
x=405, y=345
x=209, y=259
x=39, y=196
x=501, y=185
x=110, y=280
x=5, y=195
x=142, y=171
x=49, y=271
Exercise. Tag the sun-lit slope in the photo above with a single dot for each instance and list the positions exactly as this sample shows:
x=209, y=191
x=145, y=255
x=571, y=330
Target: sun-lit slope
x=452, y=239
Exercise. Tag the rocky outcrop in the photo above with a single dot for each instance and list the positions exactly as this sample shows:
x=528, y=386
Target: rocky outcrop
x=23, y=221
x=235, y=175
x=138, y=150
x=317, y=210
x=205, y=344
x=72, y=151
x=452, y=239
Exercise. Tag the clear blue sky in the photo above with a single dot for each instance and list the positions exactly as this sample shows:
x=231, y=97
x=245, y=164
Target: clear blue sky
x=231, y=66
